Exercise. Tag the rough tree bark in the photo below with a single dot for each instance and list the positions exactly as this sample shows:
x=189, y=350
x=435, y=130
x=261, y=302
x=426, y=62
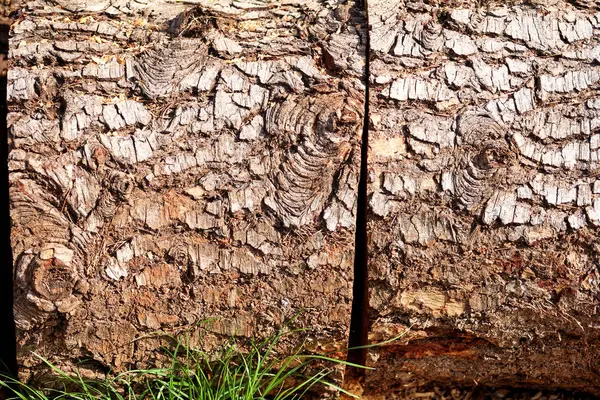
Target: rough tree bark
x=7, y=336
x=484, y=192
x=175, y=162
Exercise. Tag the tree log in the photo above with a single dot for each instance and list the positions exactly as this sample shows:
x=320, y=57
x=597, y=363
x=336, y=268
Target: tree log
x=172, y=163
x=484, y=193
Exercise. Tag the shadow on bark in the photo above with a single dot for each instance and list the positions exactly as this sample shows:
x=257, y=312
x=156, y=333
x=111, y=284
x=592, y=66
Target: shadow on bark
x=8, y=363
x=359, y=318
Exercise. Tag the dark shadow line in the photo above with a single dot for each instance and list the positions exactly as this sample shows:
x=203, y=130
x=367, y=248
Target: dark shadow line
x=8, y=341
x=359, y=317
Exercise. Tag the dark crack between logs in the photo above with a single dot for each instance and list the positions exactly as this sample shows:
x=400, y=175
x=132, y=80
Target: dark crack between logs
x=359, y=318
x=8, y=357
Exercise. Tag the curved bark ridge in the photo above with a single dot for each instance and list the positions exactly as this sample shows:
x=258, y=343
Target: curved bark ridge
x=484, y=196
x=164, y=169
x=325, y=127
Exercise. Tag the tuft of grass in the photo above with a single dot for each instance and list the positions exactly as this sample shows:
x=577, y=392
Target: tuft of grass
x=256, y=373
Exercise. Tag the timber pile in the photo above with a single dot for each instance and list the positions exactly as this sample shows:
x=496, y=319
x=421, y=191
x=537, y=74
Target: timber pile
x=173, y=162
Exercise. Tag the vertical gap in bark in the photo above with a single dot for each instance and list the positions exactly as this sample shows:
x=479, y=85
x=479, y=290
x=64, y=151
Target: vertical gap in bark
x=359, y=320
x=8, y=355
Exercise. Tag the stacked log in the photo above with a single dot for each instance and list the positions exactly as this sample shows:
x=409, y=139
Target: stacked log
x=174, y=163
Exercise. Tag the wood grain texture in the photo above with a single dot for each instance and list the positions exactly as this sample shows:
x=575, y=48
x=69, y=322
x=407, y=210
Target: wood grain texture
x=176, y=162
x=483, y=193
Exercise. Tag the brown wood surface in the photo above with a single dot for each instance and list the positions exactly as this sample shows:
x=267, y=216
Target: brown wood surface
x=174, y=162
x=484, y=192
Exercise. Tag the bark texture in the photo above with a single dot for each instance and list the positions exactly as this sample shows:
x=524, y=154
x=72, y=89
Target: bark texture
x=484, y=193
x=173, y=162
x=176, y=162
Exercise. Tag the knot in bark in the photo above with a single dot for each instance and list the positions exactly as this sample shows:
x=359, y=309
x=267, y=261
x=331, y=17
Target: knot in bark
x=484, y=151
